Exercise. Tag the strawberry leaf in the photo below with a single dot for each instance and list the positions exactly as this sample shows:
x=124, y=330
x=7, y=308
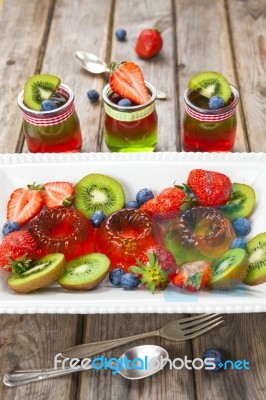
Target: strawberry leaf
x=194, y=281
x=136, y=270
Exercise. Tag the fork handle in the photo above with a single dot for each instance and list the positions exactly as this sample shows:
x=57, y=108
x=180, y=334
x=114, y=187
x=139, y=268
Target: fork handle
x=90, y=349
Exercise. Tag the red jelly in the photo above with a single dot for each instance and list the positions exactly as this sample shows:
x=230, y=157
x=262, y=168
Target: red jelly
x=123, y=236
x=63, y=230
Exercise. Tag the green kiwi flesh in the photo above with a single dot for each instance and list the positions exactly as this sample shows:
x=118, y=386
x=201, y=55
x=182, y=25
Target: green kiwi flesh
x=41, y=273
x=229, y=270
x=241, y=202
x=210, y=84
x=96, y=192
x=38, y=88
x=256, y=249
x=85, y=272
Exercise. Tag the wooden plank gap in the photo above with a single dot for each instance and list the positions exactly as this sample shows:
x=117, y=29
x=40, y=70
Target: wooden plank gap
x=241, y=112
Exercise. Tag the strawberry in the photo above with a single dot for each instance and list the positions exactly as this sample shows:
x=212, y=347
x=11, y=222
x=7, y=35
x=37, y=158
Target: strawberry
x=166, y=259
x=152, y=275
x=169, y=199
x=16, y=245
x=149, y=43
x=193, y=275
x=58, y=194
x=24, y=204
x=127, y=81
x=210, y=188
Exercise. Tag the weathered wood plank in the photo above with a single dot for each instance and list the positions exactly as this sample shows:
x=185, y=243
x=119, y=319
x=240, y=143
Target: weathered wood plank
x=203, y=44
x=158, y=70
x=241, y=337
x=22, y=30
x=248, y=22
x=103, y=385
x=31, y=341
x=80, y=25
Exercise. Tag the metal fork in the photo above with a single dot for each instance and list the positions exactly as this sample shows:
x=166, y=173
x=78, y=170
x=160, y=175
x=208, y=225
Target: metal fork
x=183, y=329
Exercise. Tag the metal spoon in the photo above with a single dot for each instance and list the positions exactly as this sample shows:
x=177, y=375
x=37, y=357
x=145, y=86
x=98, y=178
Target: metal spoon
x=153, y=360
x=96, y=65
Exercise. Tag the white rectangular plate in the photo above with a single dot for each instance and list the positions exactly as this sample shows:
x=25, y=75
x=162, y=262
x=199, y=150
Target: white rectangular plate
x=134, y=171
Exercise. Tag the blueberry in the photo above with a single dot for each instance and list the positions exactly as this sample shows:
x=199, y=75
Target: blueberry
x=129, y=281
x=238, y=243
x=241, y=226
x=48, y=105
x=132, y=204
x=217, y=356
x=121, y=34
x=10, y=226
x=144, y=195
x=115, y=276
x=93, y=95
x=124, y=103
x=97, y=218
x=216, y=102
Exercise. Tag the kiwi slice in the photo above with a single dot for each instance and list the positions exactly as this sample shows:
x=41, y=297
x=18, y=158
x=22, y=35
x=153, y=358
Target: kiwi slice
x=85, y=272
x=96, y=192
x=256, y=249
x=210, y=84
x=229, y=270
x=241, y=202
x=40, y=273
x=38, y=88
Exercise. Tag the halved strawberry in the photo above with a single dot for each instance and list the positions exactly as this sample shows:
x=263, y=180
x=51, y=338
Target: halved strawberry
x=210, y=188
x=24, y=204
x=169, y=199
x=128, y=82
x=193, y=275
x=58, y=194
x=16, y=245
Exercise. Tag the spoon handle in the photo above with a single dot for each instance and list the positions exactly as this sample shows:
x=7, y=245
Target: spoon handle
x=90, y=349
x=22, y=377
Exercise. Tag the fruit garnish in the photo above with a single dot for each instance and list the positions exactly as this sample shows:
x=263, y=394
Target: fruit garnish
x=128, y=82
x=149, y=43
x=152, y=275
x=16, y=245
x=193, y=275
x=63, y=230
x=93, y=95
x=85, y=272
x=96, y=192
x=121, y=34
x=210, y=84
x=166, y=259
x=216, y=102
x=115, y=276
x=210, y=188
x=58, y=194
x=133, y=204
x=241, y=202
x=169, y=199
x=24, y=204
x=229, y=270
x=10, y=226
x=34, y=275
x=256, y=250
x=130, y=281
x=144, y=195
x=241, y=226
x=238, y=243
x=97, y=218
x=48, y=105
x=38, y=88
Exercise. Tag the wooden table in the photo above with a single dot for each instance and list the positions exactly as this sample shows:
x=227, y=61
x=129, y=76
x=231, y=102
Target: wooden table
x=222, y=35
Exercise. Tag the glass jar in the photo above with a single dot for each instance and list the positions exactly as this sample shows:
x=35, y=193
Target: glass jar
x=53, y=131
x=130, y=129
x=208, y=130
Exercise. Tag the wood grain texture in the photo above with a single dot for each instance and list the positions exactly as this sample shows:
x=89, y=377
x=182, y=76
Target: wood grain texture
x=203, y=44
x=31, y=341
x=102, y=385
x=22, y=28
x=79, y=25
x=248, y=22
x=240, y=337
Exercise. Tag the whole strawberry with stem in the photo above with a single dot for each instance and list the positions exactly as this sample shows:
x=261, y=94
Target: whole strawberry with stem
x=149, y=43
x=151, y=275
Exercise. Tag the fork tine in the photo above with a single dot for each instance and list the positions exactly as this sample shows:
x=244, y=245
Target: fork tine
x=198, y=333
x=198, y=321
x=199, y=316
x=197, y=328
